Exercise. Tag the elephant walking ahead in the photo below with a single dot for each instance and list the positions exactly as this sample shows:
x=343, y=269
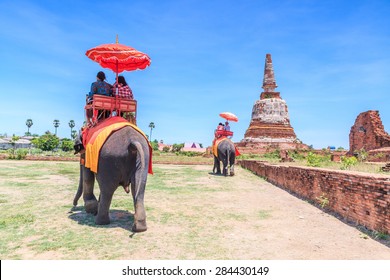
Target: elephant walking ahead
x=123, y=161
x=225, y=151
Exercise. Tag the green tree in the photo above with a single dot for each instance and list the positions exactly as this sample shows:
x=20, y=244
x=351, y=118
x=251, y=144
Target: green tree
x=66, y=144
x=29, y=124
x=46, y=142
x=74, y=134
x=151, y=125
x=56, y=124
x=177, y=147
x=154, y=145
x=71, y=125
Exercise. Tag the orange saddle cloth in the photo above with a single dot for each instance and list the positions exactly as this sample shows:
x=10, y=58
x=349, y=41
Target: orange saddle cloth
x=219, y=140
x=95, y=137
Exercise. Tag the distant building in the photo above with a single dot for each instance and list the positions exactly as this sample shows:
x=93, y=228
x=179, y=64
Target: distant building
x=22, y=143
x=193, y=147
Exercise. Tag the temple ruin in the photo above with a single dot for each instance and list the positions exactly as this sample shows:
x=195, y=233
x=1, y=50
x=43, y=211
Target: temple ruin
x=270, y=127
x=368, y=134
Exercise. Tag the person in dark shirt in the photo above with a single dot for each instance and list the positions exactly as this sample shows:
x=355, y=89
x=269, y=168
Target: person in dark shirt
x=100, y=86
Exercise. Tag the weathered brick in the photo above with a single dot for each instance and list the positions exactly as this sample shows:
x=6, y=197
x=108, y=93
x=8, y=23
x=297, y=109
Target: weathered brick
x=364, y=199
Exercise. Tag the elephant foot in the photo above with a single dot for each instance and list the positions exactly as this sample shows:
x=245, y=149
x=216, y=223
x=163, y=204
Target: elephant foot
x=102, y=220
x=91, y=206
x=139, y=226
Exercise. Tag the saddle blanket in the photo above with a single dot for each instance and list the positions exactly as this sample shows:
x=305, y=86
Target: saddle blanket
x=219, y=140
x=95, y=137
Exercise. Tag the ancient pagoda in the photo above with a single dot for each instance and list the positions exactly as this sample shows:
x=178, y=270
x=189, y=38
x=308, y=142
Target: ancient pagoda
x=270, y=127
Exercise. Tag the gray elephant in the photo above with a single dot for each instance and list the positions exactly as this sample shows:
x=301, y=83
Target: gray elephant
x=123, y=161
x=226, y=154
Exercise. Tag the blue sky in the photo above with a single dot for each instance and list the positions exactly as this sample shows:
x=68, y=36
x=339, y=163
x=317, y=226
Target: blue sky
x=331, y=61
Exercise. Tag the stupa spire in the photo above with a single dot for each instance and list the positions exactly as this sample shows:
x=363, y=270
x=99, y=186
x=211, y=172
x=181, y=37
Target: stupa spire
x=269, y=82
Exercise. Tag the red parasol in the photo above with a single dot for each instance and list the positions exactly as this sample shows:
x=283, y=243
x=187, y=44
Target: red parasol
x=229, y=116
x=118, y=57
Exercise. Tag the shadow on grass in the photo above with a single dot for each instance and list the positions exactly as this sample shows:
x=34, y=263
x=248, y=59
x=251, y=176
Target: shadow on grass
x=119, y=218
x=217, y=174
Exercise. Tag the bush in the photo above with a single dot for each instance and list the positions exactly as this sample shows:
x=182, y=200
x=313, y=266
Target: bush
x=166, y=149
x=272, y=155
x=154, y=145
x=17, y=153
x=361, y=155
x=313, y=160
x=188, y=153
x=347, y=162
x=177, y=147
x=46, y=142
x=67, y=145
x=296, y=155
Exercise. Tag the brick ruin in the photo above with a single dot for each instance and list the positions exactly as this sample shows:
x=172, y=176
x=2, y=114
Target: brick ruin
x=270, y=126
x=360, y=198
x=369, y=134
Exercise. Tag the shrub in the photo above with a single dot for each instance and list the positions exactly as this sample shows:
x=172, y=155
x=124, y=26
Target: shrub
x=313, y=160
x=66, y=145
x=177, y=147
x=17, y=153
x=347, y=162
x=46, y=142
x=166, y=149
x=361, y=154
x=273, y=155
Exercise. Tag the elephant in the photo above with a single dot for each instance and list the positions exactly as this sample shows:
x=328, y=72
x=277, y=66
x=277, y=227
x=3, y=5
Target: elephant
x=226, y=154
x=123, y=161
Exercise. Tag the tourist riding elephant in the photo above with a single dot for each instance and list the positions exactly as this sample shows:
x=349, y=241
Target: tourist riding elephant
x=123, y=161
x=226, y=152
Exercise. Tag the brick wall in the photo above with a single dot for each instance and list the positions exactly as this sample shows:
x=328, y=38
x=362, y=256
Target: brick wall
x=358, y=197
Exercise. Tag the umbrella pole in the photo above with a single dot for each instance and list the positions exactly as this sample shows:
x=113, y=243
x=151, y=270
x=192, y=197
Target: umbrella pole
x=116, y=72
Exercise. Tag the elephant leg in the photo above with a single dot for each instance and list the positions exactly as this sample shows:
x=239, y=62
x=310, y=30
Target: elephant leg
x=105, y=198
x=79, y=189
x=217, y=166
x=232, y=170
x=138, y=191
x=90, y=201
x=139, y=217
x=225, y=171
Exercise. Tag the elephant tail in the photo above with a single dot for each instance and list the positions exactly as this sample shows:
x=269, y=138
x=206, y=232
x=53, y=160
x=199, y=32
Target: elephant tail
x=141, y=168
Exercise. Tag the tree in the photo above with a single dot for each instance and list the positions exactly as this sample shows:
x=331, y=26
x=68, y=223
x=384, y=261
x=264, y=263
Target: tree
x=66, y=144
x=151, y=125
x=56, y=124
x=74, y=134
x=71, y=125
x=46, y=142
x=29, y=124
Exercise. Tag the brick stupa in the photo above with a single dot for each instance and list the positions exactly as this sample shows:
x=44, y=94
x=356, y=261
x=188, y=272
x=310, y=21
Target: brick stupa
x=270, y=127
x=368, y=134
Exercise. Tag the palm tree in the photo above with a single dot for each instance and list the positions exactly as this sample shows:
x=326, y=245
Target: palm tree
x=151, y=125
x=74, y=134
x=71, y=125
x=29, y=124
x=56, y=124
